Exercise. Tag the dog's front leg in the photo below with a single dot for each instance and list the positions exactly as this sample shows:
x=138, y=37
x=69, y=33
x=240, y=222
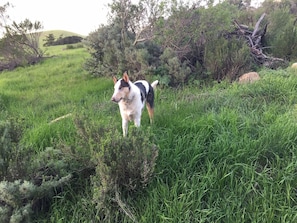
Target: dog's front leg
x=125, y=127
x=137, y=122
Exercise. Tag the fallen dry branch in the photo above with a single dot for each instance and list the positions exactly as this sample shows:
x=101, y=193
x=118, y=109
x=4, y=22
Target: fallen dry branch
x=59, y=118
x=253, y=37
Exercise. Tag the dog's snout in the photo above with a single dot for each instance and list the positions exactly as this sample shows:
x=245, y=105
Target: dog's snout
x=113, y=99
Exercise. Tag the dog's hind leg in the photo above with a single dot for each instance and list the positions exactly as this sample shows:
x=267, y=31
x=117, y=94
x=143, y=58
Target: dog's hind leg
x=150, y=110
x=150, y=104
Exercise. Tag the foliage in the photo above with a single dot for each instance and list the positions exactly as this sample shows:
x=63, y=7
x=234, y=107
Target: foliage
x=20, y=45
x=187, y=34
x=122, y=166
x=12, y=157
x=51, y=41
x=198, y=38
x=230, y=58
x=106, y=51
x=282, y=34
x=26, y=181
x=19, y=197
x=3, y=15
x=176, y=72
x=111, y=54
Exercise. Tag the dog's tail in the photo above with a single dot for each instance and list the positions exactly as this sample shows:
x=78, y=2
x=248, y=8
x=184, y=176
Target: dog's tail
x=154, y=84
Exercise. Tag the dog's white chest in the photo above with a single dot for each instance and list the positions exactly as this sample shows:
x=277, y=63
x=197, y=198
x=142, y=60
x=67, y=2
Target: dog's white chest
x=130, y=112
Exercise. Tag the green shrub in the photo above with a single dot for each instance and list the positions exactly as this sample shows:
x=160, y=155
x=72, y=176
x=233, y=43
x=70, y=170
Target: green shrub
x=282, y=34
x=27, y=178
x=175, y=70
x=227, y=58
x=74, y=46
x=12, y=156
x=123, y=165
x=19, y=197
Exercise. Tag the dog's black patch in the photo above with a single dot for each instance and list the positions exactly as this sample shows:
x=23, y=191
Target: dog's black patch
x=142, y=90
x=124, y=84
x=150, y=96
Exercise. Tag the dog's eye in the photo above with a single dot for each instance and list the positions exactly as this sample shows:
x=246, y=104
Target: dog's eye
x=120, y=87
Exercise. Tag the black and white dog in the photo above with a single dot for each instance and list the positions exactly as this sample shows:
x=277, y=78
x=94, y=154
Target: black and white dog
x=131, y=98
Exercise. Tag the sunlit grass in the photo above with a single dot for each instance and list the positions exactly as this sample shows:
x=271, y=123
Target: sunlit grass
x=56, y=87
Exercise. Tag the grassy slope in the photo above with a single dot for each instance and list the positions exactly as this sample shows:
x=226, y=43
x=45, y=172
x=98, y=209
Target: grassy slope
x=227, y=153
x=56, y=87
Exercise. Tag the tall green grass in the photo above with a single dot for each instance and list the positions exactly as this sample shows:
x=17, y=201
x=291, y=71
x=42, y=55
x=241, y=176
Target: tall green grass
x=56, y=87
x=227, y=153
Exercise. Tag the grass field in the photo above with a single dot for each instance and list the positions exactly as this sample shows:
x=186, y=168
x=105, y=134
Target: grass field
x=227, y=153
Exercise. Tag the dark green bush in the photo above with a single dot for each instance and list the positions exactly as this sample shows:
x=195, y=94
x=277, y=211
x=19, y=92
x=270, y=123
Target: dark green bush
x=195, y=43
x=123, y=165
x=228, y=59
x=187, y=46
x=176, y=71
x=12, y=156
x=107, y=50
x=28, y=178
x=282, y=34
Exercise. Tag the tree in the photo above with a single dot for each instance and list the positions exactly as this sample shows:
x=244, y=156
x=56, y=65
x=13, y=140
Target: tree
x=20, y=43
x=282, y=33
x=3, y=16
x=180, y=43
x=49, y=40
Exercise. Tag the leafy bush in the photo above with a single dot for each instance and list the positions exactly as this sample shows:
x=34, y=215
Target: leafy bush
x=27, y=178
x=19, y=197
x=112, y=54
x=20, y=44
x=123, y=165
x=282, y=34
x=186, y=46
x=12, y=156
x=175, y=70
x=227, y=59
x=106, y=51
x=74, y=46
x=51, y=41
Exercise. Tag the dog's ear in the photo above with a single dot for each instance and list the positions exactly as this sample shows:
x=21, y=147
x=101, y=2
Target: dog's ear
x=125, y=77
x=115, y=80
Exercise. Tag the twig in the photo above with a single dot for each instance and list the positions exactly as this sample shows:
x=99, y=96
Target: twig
x=123, y=206
x=59, y=118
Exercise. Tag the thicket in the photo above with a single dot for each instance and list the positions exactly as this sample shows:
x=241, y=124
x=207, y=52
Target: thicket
x=123, y=166
x=116, y=167
x=50, y=40
x=19, y=42
x=28, y=180
x=189, y=42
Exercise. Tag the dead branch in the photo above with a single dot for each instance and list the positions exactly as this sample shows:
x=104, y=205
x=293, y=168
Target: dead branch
x=254, y=38
x=59, y=118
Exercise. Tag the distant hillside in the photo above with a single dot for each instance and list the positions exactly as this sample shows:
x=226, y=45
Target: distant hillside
x=57, y=34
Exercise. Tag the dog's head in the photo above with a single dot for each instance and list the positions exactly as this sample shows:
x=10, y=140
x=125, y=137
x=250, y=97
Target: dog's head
x=121, y=88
